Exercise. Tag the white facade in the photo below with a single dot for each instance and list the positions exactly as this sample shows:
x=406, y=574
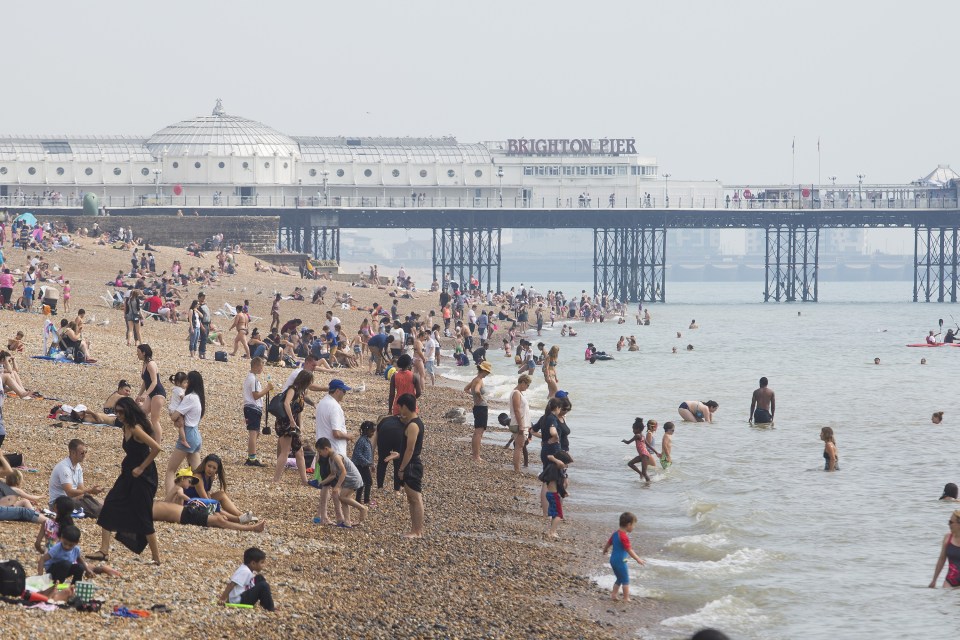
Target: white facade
x=228, y=160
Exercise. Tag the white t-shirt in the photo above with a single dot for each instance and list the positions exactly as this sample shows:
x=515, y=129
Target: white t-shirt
x=176, y=397
x=399, y=338
x=333, y=322
x=64, y=473
x=251, y=385
x=190, y=410
x=242, y=580
x=330, y=418
x=472, y=316
x=291, y=378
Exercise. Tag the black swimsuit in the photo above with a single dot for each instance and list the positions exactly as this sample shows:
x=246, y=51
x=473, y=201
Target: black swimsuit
x=157, y=390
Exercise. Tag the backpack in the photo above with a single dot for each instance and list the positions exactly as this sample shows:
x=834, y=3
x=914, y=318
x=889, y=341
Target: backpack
x=220, y=356
x=13, y=579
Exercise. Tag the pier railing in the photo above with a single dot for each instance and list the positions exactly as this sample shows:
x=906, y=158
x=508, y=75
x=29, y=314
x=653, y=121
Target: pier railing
x=191, y=203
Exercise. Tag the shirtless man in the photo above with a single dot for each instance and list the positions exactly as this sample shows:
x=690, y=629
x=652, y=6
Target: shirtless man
x=240, y=322
x=763, y=404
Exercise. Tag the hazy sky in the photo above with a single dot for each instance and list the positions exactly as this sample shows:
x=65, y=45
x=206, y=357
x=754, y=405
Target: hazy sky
x=714, y=90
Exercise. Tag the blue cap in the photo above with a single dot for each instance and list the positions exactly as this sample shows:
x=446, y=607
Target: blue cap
x=561, y=394
x=336, y=384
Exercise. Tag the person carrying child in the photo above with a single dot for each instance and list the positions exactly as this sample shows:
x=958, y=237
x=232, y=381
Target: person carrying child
x=64, y=559
x=345, y=479
x=554, y=478
x=247, y=585
x=619, y=542
x=362, y=458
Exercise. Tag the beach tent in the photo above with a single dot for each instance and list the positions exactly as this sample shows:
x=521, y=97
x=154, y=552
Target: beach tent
x=27, y=218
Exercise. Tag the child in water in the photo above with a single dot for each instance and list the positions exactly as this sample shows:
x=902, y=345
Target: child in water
x=829, y=450
x=619, y=542
x=643, y=454
x=666, y=445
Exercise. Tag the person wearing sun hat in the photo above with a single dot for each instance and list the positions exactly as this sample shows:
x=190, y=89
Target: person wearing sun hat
x=480, y=409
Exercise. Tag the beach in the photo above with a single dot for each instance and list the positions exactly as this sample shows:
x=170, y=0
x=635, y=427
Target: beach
x=482, y=570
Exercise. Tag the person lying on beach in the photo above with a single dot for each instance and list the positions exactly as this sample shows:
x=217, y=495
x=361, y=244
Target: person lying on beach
x=16, y=343
x=14, y=484
x=80, y=413
x=123, y=391
x=195, y=513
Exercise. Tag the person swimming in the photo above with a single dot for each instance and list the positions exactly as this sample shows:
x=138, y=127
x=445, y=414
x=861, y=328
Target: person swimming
x=950, y=493
x=937, y=417
x=830, y=456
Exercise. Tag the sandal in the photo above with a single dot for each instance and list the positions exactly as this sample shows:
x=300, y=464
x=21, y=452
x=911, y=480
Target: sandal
x=98, y=556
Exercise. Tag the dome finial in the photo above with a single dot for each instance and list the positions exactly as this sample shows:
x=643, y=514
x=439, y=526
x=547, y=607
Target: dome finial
x=218, y=110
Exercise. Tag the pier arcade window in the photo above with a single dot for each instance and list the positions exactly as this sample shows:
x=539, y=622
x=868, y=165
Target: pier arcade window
x=423, y=173
x=246, y=165
x=88, y=171
x=59, y=171
x=478, y=173
x=116, y=171
x=396, y=173
x=266, y=165
x=176, y=165
x=285, y=165
x=196, y=165
x=367, y=172
x=339, y=173
x=144, y=171
x=32, y=170
x=313, y=173
x=3, y=171
x=221, y=165
x=451, y=173
x=56, y=146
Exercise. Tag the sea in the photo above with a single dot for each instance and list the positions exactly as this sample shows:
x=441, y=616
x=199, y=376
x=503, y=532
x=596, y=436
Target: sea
x=745, y=532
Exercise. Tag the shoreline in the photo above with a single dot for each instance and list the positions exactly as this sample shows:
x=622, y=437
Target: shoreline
x=473, y=573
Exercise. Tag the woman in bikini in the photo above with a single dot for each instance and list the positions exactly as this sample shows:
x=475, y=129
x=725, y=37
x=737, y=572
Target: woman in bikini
x=240, y=323
x=550, y=370
x=696, y=411
x=830, y=456
x=950, y=552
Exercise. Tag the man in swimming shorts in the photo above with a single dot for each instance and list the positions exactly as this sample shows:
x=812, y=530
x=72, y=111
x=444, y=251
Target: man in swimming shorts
x=763, y=404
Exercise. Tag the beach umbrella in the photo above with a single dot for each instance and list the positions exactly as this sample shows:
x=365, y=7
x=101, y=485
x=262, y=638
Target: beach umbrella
x=27, y=218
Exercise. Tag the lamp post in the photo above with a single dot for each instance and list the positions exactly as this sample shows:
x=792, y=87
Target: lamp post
x=860, y=177
x=833, y=179
x=500, y=177
x=325, y=175
x=666, y=189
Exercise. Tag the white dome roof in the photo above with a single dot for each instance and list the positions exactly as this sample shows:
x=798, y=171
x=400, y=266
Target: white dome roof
x=220, y=134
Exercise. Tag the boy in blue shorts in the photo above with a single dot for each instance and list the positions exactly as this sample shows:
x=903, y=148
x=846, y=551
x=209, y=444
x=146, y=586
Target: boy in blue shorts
x=620, y=543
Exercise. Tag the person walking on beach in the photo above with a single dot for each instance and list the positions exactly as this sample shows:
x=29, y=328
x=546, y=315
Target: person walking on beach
x=241, y=322
x=128, y=506
x=950, y=553
x=830, y=456
x=275, y=313
x=410, y=470
x=205, y=320
x=152, y=395
x=620, y=548
x=763, y=404
x=132, y=316
x=253, y=394
x=480, y=410
x=288, y=426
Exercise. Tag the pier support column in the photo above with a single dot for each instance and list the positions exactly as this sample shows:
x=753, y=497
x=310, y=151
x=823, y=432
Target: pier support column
x=323, y=242
x=466, y=253
x=629, y=263
x=935, y=264
x=792, y=259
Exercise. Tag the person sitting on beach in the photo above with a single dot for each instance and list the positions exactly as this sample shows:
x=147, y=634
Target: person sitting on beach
x=12, y=383
x=16, y=343
x=210, y=468
x=70, y=340
x=246, y=585
x=12, y=488
x=696, y=411
x=123, y=391
x=64, y=559
x=49, y=532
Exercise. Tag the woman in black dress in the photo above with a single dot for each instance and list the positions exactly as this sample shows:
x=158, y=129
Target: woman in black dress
x=128, y=508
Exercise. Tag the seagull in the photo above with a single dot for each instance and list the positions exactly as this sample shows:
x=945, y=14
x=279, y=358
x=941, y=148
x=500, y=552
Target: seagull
x=104, y=323
x=361, y=387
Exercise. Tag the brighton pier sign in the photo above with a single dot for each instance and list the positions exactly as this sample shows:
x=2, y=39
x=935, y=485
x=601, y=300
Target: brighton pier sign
x=563, y=146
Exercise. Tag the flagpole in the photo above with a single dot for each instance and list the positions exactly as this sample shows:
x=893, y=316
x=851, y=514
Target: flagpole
x=818, y=162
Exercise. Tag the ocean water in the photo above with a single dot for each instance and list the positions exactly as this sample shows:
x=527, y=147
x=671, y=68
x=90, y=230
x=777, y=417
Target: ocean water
x=745, y=532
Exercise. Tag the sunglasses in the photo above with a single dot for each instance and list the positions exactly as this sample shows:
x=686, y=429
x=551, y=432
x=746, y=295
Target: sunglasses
x=952, y=521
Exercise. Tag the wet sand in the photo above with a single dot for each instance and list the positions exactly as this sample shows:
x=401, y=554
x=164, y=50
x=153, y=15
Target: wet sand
x=483, y=569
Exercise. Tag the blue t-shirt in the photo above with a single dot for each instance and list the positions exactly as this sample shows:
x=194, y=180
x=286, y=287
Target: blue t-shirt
x=362, y=452
x=379, y=341
x=58, y=553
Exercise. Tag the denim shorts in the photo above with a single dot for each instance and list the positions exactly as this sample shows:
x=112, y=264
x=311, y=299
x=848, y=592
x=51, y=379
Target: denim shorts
x=193, y=440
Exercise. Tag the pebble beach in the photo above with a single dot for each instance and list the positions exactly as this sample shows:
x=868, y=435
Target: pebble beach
x=483, y=569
